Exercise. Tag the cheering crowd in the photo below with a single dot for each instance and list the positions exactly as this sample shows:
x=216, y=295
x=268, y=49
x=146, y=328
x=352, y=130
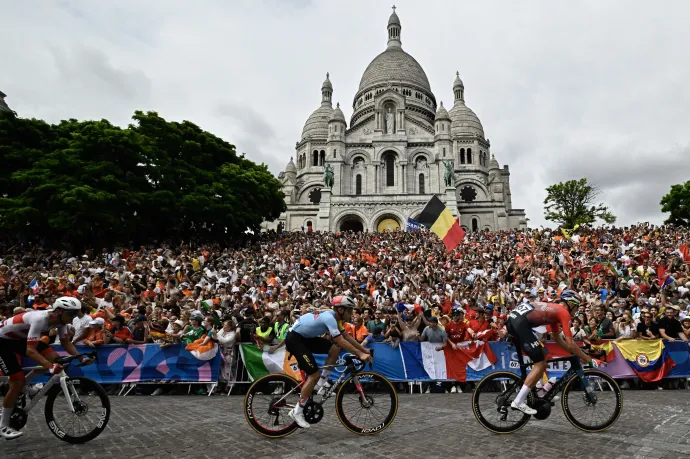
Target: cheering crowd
x=634, y=283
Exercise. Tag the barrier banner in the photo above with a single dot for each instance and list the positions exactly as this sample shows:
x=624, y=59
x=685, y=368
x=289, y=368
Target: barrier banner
x=412, y=361
x=119, y=364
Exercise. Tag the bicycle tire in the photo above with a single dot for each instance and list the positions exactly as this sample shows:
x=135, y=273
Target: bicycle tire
x=259, y=386
x=88, y=385
x=348, y=386
x=570, y=389
x=483, y=387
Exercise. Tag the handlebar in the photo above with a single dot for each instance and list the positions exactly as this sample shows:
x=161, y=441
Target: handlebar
x=66, y=361
x=356, y=364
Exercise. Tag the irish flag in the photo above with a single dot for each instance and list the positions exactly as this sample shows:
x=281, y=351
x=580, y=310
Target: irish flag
x=422, y=360
x=260, y=363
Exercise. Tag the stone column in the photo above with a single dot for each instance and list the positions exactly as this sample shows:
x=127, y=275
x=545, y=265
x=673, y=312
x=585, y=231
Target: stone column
x=451, y=200
x=324, y=215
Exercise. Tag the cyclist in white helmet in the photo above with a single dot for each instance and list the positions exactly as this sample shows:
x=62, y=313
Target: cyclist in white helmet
x=20, y=335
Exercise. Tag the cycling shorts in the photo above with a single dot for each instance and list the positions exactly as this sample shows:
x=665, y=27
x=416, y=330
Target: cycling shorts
x=11, y=352
x=304, y=349
x=524, y=338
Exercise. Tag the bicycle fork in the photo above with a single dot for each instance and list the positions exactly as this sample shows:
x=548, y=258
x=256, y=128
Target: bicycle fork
x=364, y=400
x=589, y=390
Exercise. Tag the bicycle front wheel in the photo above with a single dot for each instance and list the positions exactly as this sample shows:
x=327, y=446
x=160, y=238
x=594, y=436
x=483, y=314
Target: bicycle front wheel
x=585, y=414
x=369, y=411
x=91, y=410
x=491, y=403
x=267, y=403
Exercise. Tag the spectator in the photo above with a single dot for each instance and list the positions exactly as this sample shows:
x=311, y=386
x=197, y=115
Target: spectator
x=647, y=329
x=434, y=334
x=96, y=334
x=670, y=327
x=140, y=334
x=119, y=333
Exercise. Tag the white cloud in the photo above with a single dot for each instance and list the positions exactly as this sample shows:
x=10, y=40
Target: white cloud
x=564, y=90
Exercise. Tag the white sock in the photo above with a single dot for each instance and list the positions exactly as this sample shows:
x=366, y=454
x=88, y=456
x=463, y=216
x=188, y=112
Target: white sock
x=299, y=408
x=6, y=414
x=522, y=395
x=324, y=378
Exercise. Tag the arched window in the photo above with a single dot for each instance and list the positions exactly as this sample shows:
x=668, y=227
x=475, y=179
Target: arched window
x=358, y=184
x=475, y=224
x=335, y=153
x=315, y=158
x=444, y=152
x=309, y=225
x=462, y=156
x=390, y=170
x=469, y=156
x=322, y=158
x=421, y=184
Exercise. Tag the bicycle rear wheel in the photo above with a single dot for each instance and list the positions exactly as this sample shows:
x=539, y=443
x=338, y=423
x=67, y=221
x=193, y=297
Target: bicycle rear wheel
x=491, y=403
x=267, y=403
x=91, y=410
x=370, y=412
x=588, y=416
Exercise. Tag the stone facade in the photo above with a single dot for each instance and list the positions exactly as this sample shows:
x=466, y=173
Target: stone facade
x=3, y=105
x=391, y=160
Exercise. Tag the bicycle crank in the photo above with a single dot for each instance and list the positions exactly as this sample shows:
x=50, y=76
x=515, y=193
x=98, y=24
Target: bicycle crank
x=313, y=412
x=18, y=419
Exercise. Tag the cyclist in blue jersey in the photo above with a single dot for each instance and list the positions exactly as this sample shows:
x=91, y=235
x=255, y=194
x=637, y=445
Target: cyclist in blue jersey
x=305, y=337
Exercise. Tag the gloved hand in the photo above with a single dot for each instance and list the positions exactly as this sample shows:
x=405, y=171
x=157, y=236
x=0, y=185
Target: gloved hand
x=55, y=369
x=596, y=363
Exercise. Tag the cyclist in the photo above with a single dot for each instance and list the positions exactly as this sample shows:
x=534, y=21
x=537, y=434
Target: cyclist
x=305, y=337
x=523, y=319
x=21, y=335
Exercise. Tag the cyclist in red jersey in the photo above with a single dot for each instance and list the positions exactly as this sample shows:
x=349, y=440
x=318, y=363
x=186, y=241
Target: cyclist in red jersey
x=556, y=317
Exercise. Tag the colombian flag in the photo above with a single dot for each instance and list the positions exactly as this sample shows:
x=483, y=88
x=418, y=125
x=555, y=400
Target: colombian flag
x=438, y=219
x=649, y=359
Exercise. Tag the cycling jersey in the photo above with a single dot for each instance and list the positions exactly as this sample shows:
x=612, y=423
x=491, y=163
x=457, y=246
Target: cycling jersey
x=549, y=314
x=28, y=326
x=317, y=323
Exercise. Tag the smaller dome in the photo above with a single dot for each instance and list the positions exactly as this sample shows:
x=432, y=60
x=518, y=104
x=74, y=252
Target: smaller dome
x=290, y=166
x=442, y=113
x=317, y=123
x=493, y=164
x=458, y=82
x=464, y=121
x=327, y=83
x=337, y=115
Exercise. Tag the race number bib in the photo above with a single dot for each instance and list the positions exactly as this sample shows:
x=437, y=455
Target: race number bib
x=523, y=309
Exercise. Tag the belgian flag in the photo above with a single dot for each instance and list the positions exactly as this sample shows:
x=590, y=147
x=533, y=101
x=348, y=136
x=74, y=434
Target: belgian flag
x=438, y=219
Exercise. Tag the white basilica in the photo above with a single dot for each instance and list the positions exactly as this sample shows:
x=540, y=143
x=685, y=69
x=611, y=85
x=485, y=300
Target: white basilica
x=399, y=149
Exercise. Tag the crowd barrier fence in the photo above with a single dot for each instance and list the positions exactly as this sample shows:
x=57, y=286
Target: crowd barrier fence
x=408, y=362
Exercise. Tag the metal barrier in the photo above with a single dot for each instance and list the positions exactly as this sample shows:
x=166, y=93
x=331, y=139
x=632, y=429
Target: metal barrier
x=240, y=375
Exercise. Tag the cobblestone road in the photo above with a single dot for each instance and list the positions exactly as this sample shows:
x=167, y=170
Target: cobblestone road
x=654, y=424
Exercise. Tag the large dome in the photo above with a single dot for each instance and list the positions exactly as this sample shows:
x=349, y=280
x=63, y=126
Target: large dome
x=396, y=66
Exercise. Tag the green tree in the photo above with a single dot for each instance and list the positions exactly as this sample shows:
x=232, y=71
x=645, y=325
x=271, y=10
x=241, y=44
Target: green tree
x=94, y=183
x=573, y=203
x=677, y=204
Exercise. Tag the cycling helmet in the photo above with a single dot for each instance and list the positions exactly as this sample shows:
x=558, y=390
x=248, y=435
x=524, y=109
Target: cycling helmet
x=343, y=301
x=570, y=297
x=68, y=303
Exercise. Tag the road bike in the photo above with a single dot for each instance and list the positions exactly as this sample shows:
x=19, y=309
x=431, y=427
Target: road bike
x=366, y=402
x=67, y=403
x=591, y=389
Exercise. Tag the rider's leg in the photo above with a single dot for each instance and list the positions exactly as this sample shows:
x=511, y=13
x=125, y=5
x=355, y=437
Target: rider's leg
x=534, y=375
x=333, y=354
x=8, y=402
x=306, y=391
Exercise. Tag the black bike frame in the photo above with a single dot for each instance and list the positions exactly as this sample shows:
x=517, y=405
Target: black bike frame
x=574, y=370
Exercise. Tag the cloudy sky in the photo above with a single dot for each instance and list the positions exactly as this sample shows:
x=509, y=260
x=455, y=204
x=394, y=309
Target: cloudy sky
x=596, y=89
